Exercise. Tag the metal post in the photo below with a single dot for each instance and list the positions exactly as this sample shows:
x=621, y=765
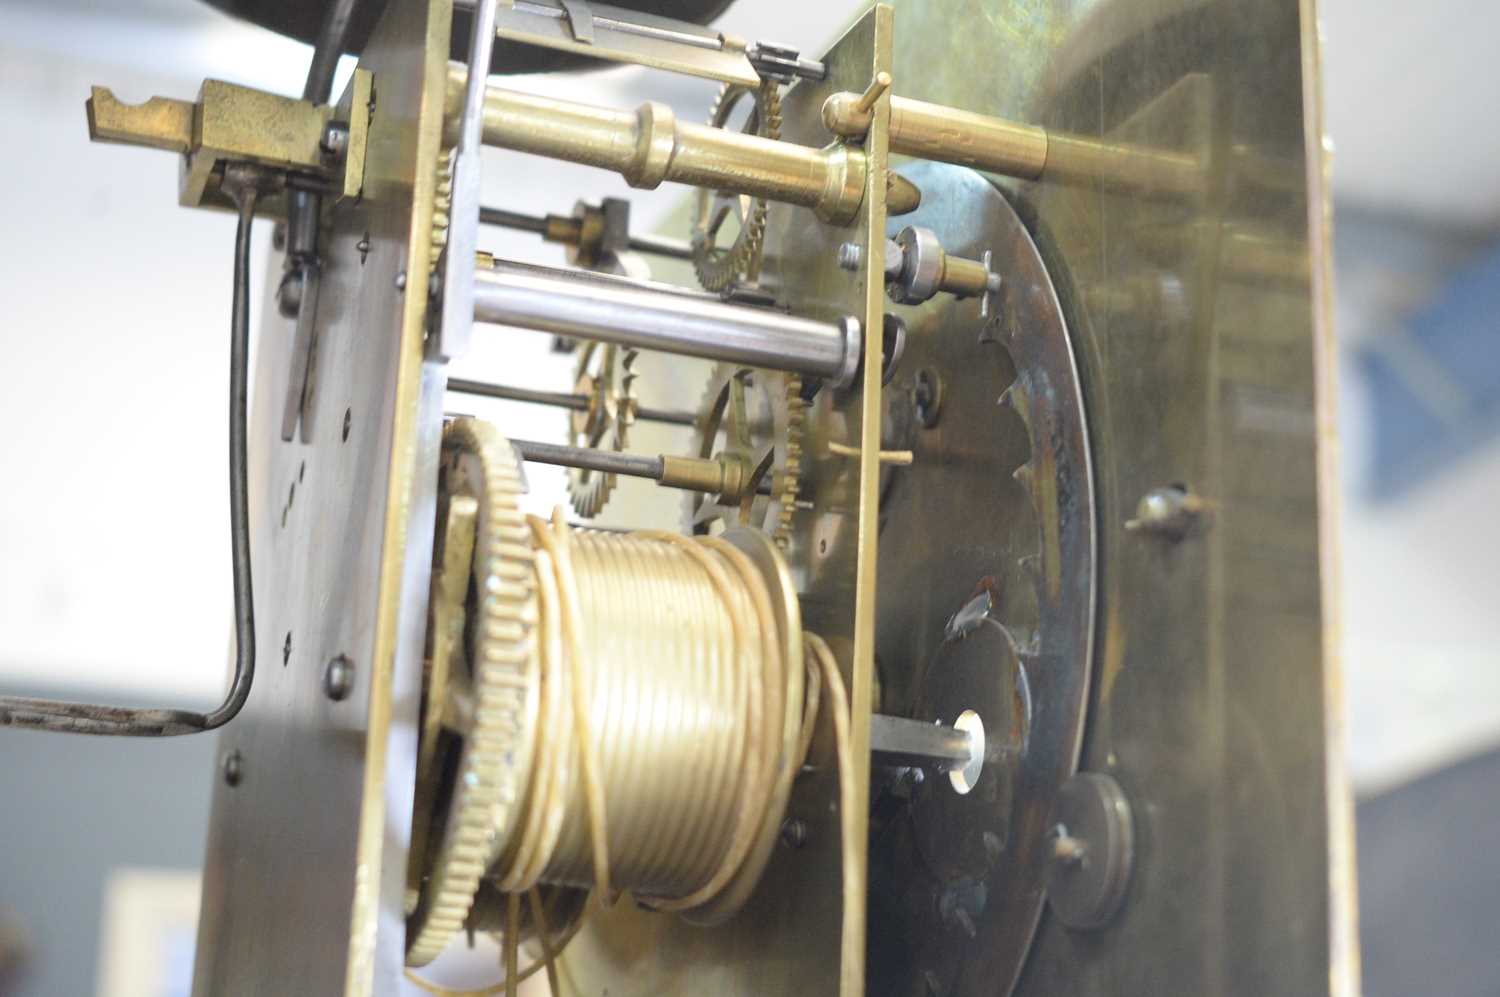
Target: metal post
x=644, y=316
x=558, y=228
x=604, y=461
x=899, y=741
x=559, y=399
x=456, y=322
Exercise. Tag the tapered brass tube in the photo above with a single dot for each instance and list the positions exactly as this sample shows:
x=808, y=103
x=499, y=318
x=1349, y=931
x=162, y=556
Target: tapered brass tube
x=649, y=145
x=1028, y=152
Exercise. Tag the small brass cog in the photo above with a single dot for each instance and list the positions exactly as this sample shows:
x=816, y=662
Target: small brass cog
x=756, y=417
x=720, y=267
x=605, y=375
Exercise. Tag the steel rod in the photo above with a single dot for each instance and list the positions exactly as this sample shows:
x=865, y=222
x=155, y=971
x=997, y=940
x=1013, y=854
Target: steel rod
x=606, y=461
x=643, y=316
x=559, y=399
x=698, y=474
x=899, y=741
x=513, y=219
x=456, y=279
x=243, y=184
x=660, y=245
x=557, y=228
x=332, y=38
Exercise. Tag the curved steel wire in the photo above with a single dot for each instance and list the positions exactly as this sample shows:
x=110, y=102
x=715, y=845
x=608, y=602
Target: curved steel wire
x=244, y=184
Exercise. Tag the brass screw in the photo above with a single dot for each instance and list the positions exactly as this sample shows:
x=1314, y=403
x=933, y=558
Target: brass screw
x=851, y=255
x=927, y=396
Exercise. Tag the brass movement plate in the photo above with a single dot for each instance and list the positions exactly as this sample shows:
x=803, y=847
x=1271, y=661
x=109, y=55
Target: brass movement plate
x=1200, y=324
x=305, y=867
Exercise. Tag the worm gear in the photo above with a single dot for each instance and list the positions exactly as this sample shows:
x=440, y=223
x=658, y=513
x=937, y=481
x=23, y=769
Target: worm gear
x=719, y=267
x=755, y=417
x=486, y=699
x=605, y=375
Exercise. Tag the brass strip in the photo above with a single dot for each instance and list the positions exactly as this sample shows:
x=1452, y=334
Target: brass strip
x=852, y=977
x=159, y=123
x=379, y=857
x=1344, y=969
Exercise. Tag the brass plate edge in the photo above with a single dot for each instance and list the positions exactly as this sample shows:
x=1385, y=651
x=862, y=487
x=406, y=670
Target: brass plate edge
x=1343, y=891
x=852, y=983
x=371, y=851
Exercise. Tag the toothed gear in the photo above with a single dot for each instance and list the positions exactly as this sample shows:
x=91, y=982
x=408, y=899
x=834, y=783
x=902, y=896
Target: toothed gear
x=756, y=416
x=442, y=208
x=606, y=376
x=497, y=729
x=717, y=267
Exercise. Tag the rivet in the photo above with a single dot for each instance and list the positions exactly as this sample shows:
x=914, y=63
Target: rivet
x=233, y=768
x=338, y=678
x=1168, y=512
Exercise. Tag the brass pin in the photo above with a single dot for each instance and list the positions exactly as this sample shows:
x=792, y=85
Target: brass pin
x=878, y=86
x=900, y=457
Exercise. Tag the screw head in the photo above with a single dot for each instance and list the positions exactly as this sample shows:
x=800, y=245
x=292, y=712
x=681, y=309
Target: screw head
x=851, y=255
x=233, y=768
x=289, y=293
x=794, y=832
x=927, y=396
x=338, y=678
x=1169, y=512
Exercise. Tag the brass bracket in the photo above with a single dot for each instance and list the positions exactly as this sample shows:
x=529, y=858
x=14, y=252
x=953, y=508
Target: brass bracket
x=357, y=110
x=231, y=123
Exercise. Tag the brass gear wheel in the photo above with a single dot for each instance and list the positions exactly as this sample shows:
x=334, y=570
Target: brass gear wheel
x=605, y=374
x=718, y=267
x=488, y=699
x=442, y=209
x=757, y=417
